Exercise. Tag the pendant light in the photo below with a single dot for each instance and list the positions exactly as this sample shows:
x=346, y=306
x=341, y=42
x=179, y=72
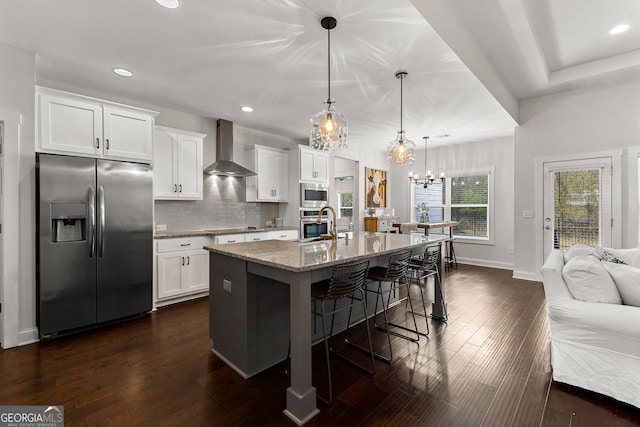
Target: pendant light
x=401, y=151
x=328, y=127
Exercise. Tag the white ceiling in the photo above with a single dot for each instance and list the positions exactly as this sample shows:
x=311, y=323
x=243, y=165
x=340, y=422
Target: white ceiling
x=211, y=57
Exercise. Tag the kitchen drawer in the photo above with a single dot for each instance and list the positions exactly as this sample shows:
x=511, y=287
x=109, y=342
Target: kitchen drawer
x=255, y=237
x=284, y=235
x=230, y=238
x=183, y=243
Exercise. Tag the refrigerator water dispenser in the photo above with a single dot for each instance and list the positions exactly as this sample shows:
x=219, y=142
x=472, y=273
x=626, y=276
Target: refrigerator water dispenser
x=68, y=221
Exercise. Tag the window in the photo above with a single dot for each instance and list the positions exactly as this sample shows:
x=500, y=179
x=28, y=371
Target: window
x=345, y=205
x=463, y=197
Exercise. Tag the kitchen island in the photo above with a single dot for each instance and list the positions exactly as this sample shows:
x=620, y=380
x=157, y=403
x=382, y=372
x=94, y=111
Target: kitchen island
x=260, y=295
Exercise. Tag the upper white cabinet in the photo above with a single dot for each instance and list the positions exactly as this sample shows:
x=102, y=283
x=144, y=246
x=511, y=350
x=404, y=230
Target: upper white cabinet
x=75, y=124
x=177, y=164
x=272, y=179
x=314, y=165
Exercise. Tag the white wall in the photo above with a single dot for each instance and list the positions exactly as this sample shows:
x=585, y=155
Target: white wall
x=498, y=154
x=599, y=118
x=17, y=92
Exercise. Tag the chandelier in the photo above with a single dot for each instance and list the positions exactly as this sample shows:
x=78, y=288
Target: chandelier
x=401, y=150
x=429, y=177
x=328, y=127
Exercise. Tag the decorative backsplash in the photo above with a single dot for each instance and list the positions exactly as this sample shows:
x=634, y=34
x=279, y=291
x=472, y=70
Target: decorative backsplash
x=223, y=206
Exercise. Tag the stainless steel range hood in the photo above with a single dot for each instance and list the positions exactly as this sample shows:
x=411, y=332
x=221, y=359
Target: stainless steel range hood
x=224, y=164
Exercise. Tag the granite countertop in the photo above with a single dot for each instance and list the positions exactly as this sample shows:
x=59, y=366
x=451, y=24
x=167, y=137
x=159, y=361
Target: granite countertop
x=216, y=232
x=297, y=257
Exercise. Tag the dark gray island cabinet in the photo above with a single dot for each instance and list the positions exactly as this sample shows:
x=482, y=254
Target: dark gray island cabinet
x=260, y=296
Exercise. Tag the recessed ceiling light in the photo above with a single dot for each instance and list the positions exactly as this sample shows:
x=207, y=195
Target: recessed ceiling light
x=169, y=4
x=619, y=29
x=247, y=109
x=123, y=72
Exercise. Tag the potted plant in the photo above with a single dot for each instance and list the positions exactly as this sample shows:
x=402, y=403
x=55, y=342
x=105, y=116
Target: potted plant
x=424, y=212
x=371, y=211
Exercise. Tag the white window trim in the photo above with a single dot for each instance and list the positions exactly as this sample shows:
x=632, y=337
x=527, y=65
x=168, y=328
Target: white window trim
x=491, y=171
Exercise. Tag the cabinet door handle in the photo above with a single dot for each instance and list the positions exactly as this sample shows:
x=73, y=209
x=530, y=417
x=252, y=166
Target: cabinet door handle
x=175, y=188
x=107, y=141
x=182, y=260
x=185, y=244
x=188, y=260
x=97, y=142
x=231, y=241
x=180, y=188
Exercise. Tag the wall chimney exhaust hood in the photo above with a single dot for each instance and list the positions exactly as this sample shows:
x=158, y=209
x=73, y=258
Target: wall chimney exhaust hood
x=224, y=164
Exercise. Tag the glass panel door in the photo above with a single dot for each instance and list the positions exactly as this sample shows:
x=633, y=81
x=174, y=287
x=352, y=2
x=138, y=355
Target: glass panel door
x=577, y=203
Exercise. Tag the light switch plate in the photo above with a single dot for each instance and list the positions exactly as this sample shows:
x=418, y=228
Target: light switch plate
x=527, y=213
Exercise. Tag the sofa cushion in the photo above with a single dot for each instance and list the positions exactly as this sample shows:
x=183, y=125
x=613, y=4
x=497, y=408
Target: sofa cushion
x=580, y=249
x=627, y=280
x=588, y=280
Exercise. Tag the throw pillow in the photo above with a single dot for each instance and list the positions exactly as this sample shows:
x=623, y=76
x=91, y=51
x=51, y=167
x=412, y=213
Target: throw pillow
x=608, y=256
x=588, y=280
x=627, y=280
x=628, y=256
x=580, y=249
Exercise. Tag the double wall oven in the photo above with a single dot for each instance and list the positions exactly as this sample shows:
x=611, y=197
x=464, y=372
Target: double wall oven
x=309, y=226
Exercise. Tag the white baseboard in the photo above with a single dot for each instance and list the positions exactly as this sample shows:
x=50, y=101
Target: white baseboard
x=525, y=275
x=485, y=263
x=28, y=336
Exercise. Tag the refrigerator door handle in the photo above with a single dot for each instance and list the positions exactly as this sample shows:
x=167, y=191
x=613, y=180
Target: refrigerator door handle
x=101, y=223
x=91, y=223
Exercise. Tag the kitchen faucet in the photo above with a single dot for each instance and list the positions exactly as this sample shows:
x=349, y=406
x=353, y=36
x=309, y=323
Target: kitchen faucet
x=332, y=229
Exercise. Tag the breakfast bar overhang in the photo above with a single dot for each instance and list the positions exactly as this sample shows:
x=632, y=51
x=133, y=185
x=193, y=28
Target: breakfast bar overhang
x=249, y=302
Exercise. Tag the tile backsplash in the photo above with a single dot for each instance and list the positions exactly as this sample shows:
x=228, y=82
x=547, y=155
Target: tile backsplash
x=223, y=206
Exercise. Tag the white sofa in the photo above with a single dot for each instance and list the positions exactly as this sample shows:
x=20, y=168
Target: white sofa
x=595, y=346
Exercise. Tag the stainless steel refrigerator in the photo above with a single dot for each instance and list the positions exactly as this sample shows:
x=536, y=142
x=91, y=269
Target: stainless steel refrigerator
x=95, y=242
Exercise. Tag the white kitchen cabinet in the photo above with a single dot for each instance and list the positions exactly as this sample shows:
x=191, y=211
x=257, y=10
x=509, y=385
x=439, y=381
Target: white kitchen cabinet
x=75, y=124
x=314, y=165
x=229, y=238
x=272, y=179
x=177, y=164
x=182, y=267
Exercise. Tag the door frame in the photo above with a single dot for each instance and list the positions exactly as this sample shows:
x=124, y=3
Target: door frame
x=10, y=250
x=616, y=195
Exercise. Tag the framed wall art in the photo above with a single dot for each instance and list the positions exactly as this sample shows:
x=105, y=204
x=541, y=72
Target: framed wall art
x=376, y=188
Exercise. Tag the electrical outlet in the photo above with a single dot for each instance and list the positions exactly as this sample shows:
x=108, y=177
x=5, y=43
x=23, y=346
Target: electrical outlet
x=527, y=213
x=226, y=285
x=162, y=227
x=510, y=249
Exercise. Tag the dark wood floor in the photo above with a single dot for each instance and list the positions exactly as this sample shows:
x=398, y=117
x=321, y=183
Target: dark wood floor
x=488, y=367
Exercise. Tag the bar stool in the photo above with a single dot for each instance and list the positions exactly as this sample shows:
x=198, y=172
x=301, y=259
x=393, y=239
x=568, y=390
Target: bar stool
x=346, y=281
x=396, y=274
x=423, y=267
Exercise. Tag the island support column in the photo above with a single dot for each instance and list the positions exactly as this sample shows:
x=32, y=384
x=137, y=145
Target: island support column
x=439, y=306
x=301, y=395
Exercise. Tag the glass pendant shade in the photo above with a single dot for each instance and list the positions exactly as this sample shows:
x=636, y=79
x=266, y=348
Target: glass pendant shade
x=401, y=151
x=328, y=129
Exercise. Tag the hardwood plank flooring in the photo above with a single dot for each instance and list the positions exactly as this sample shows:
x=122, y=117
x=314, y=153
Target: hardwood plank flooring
x=489, y=366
